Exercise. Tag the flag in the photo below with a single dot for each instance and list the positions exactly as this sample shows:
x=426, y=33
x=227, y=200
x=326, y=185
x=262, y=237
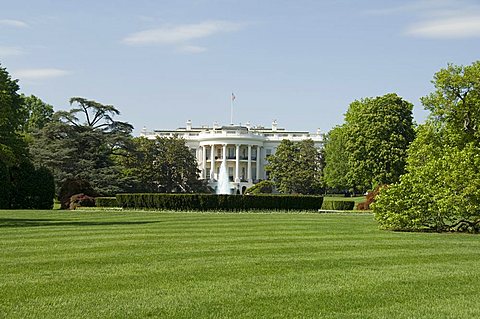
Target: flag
x=233, y=97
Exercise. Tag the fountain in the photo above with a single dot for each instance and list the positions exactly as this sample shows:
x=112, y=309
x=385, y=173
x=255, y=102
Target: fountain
x=223, y=184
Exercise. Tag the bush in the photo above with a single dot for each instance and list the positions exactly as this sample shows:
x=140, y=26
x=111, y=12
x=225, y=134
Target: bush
x=81, y=200
x=205, y=202
x=106, y=202
x=31, y=188
x=371, y=196
x=71, y=187
x=263, y=187
x=338, y=205
x=44, y=185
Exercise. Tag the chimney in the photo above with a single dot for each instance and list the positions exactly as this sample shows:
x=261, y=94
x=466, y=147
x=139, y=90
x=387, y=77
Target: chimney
x=274, y=125
x=189, y=125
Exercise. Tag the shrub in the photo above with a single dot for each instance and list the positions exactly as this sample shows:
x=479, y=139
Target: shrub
x=204, y=202
x=24, y=187
x=106, y=202
x=81, y=200
x=263, y=187
x=371, y=196
x=71, y=187
x=338, y=205
x=44, y=185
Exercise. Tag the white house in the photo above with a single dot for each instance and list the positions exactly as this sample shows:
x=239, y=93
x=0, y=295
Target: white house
x=244, y=149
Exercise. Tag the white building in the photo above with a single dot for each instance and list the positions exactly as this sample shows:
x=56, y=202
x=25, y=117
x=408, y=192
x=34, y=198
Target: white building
x=244, y=149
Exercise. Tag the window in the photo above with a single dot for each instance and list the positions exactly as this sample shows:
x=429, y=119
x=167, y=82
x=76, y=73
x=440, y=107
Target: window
x=231, y=152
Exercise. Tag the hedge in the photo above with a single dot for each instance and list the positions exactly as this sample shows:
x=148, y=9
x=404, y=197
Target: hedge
x=338, y=205
x=106, y=202
x=205, y=202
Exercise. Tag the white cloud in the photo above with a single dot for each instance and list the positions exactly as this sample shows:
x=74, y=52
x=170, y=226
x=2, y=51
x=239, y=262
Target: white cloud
x=181, y=35
x=456, y=27
x=192, y=49
x=439, y=19
x=415, y=7
x=10, y=51
x=13, y=23
x=39, y=74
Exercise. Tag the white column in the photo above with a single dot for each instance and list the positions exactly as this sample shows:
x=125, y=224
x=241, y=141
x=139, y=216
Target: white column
x=204, y=161
x=224, y=158
x=237, y=163
x=259, y=156
x=212, y=162
x=249, y=165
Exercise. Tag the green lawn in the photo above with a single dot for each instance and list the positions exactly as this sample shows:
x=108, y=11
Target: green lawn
x=183, y=265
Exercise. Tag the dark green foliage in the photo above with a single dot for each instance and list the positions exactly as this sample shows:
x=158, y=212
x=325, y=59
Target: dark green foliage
x=206, y=202
x=5, y=186
x=163, y=165
x=106, y=202
x=263, y=187
x=21, y=185
x=338, y=205
x=81, y=144
x=296, y=168
x=30, y=187
x=44, y=189
x=81, y=200
x=71, y=187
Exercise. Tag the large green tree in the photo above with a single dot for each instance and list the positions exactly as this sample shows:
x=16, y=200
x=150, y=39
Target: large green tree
x=21, y=184
x=12, y=116
x=441, y=190
x=81, y=144
x=375, y=137
x=162, y=165
x=296, y=168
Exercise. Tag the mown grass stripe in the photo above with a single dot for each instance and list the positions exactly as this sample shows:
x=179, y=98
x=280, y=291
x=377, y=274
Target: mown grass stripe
x=135, y=264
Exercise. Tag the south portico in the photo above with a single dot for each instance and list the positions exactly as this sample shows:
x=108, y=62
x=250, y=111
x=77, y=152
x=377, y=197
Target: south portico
x=240, y=152
x=244, y=150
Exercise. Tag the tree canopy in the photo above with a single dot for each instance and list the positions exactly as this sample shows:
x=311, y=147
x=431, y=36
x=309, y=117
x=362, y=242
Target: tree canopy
x=441, y=190
x=37, y=112
x=21, y=184
x=81, y=144
x=296, y=168
x=370, y=148
x=162, y=165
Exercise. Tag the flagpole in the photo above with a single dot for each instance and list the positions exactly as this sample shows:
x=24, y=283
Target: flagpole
x=231, y=109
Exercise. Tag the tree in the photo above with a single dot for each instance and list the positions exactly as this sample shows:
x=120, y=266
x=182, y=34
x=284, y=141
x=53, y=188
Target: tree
x=296, y=168
x=21, y=185
x=162, y=165
x=441, y=190
x=376, y=135
x=335, y=174
x=38, y=113
x=81, y=144
x=12, y=115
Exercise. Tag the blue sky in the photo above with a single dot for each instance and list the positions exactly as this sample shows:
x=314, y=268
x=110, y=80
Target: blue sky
x=300, y=62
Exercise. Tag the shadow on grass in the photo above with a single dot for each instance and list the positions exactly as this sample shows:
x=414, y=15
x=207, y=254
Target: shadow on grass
x=22, y=222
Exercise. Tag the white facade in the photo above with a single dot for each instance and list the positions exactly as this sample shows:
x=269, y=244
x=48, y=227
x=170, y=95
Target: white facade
x=244, y=149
